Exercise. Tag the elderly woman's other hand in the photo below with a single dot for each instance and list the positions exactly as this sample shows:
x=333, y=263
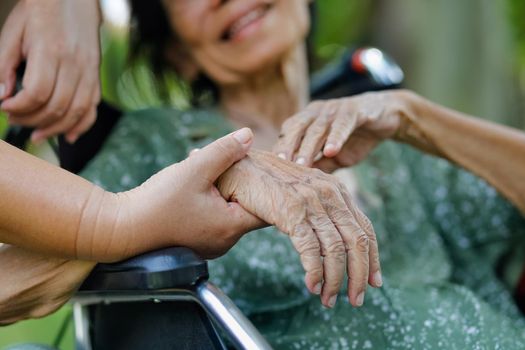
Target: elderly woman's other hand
x=328, y=230
x=60, y=42
x=35, y=285
x=343, y=130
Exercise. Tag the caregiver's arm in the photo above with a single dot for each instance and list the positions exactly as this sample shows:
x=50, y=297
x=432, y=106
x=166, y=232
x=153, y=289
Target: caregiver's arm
x=44, y=208
x=331, y=234
x=35, y=285
x=347, y=129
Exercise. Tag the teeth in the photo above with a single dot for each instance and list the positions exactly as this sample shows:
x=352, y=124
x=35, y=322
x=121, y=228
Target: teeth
x=245, y=20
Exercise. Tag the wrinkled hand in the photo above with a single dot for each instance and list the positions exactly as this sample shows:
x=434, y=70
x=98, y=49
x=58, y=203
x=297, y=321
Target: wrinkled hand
x=60, y=42
x=343, y=130
x=327, y=229
x=179, y=206
x=35, y=285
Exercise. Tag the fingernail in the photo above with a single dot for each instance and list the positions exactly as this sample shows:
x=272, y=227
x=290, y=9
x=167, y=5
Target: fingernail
x=282, y=156
x=36, y=137
x=243, y=136
x=301, y=161
x=330, y=147
x=360, y=299
x=2, y=90
x=378, y=279
x=332, y=300
x=317, y=288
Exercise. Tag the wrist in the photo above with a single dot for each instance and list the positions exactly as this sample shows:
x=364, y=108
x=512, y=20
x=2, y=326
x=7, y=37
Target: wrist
x=405, y=110
x=417, y=121
x=101, y=230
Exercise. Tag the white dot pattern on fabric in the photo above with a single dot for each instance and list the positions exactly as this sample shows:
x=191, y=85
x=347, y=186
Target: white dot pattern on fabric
x=441, y=232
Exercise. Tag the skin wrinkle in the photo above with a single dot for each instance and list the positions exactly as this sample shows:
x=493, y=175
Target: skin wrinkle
x=324, y=239
x=111, y=232
x=81, y=220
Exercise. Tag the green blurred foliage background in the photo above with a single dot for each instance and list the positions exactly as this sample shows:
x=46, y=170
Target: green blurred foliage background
x=469, y=55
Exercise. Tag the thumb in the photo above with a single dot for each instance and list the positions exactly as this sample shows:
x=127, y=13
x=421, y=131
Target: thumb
x=218, y=156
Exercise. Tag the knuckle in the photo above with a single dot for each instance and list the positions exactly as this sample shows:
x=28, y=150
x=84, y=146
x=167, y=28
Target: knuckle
x=362, y=242
x=299, y=231
x=328, y=190
x=367, y=226
x=342, y=216
x=308, y=248
x=79, y=111
x=65, y=50
x=54, y=114
x=37, y=94
x=336, y=249
x=309, y=196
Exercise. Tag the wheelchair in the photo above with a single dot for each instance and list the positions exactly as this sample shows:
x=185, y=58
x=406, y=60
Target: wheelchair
x=163, y=299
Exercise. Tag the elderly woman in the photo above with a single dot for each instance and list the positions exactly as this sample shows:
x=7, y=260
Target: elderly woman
x=442, y=230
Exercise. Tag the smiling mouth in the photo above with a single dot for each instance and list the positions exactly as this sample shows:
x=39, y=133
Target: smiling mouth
x=245, y=21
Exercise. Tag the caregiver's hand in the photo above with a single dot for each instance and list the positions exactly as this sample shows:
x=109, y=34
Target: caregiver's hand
x=35, y=285
x=328, y=230
x=344, y=129
x=180, y=205
x=60, y=214
x=60, y=42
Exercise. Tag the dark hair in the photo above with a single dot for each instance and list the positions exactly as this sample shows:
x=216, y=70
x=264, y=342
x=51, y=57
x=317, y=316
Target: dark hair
x=151, y=36
x=150, y=33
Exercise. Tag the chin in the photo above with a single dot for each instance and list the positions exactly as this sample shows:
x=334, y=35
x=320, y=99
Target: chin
x=261, y=56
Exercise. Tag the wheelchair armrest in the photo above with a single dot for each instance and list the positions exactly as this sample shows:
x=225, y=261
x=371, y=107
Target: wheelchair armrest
x=161, y=269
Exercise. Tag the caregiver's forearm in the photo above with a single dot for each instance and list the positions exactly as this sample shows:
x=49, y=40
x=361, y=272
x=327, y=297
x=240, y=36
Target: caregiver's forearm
x=494, y=152
x=44, y=208
x=35, y=285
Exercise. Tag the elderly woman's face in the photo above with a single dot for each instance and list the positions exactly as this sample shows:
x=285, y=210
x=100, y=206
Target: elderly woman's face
x=230, y=39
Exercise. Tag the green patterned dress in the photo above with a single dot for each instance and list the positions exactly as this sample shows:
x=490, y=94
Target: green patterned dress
x=442, y=234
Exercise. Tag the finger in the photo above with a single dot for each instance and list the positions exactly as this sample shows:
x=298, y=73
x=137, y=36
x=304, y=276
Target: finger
x=74, y=132
x=375, y=277
x=38, y=84
x=292, y=132
x=327, y=165
x=316, y=134
x=85, y=123
x=56, y=115
x=97, y=95
x=306, y=243
x=341, y=130
x=356, y=248
x=214, y=159
x=333, y=251
x=79, y=106
x=11, y=38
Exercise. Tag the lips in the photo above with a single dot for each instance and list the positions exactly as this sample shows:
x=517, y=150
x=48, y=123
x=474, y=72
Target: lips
x=244, y=19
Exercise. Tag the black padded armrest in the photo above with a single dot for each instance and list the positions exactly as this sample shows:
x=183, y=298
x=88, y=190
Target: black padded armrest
x=166, y=268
